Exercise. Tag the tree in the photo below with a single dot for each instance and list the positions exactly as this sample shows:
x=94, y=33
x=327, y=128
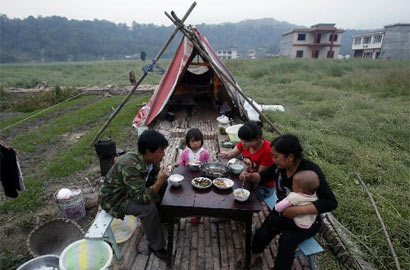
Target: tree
x=143, y=55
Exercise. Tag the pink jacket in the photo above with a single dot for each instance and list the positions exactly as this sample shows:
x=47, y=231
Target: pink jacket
x=184, y=158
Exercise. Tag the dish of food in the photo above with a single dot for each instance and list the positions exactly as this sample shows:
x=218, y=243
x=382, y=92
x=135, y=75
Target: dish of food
x=201, y=182
x=241, y=194
x=223, y=183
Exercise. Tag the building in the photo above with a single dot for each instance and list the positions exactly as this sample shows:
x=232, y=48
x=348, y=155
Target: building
x=227, y=54
x=392, y=43
x=319, y=41
x=367, y=45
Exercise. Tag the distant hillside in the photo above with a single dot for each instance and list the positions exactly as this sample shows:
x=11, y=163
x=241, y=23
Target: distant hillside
x=59, y=39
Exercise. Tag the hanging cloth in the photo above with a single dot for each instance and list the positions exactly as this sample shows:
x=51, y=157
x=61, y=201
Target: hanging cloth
x=10, y=171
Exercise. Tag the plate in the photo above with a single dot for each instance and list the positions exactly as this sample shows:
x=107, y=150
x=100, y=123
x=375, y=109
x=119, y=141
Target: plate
x=223, y=183
x=201, y=182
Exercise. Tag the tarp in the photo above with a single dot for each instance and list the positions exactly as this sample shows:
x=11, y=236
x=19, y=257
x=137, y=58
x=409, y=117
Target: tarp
x=169, y=81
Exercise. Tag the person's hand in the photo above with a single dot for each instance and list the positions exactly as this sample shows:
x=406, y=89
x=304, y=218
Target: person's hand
x=245, y=176
x=224, y=155
x=247, y=162
x=163, y=175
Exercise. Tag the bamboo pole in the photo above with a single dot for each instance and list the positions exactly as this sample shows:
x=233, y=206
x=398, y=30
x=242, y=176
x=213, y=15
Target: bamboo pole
x=142, y=77
x=187, y=33
x=386, y=234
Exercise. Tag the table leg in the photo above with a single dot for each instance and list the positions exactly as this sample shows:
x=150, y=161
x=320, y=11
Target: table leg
x=248, y=239
x=170, y=240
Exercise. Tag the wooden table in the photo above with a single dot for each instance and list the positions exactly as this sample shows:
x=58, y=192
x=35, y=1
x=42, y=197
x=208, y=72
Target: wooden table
x=186, y=201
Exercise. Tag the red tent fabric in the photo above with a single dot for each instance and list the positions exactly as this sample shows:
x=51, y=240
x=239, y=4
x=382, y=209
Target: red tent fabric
x=170, y=79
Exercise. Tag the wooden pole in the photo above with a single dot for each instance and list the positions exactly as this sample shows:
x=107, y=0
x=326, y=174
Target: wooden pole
x=188, y=34
x=386, y=234
x=142, y=77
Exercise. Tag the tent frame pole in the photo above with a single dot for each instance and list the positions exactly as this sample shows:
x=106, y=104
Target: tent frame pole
x=180, y=25
x=142, y=77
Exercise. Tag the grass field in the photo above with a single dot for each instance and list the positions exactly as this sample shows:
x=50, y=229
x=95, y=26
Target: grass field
x=352, y=117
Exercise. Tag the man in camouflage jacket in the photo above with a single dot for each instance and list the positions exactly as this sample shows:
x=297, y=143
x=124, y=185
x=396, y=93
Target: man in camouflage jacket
x=133, y=186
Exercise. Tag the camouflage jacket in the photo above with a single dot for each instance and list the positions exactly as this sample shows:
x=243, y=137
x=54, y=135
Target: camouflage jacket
x=125, y=182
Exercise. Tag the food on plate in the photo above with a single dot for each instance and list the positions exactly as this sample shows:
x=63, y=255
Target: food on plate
x=241, y=192
x=202, y=182
x=220, y=183
x=194, y=163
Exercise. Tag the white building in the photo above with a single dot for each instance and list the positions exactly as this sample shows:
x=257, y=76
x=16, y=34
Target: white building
x=227, y=54
x=319, y=41
x=368, y=45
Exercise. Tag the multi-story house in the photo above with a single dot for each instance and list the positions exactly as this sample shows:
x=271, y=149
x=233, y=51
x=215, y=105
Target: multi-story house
x=367, y=45
x=392, y=43
x=319, y=41
x=228, y=54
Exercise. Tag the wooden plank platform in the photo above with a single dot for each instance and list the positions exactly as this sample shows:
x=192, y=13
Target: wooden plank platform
x=211, y=244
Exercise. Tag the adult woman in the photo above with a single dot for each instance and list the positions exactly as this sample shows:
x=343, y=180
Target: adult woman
x=256, y=154
x=287, y=153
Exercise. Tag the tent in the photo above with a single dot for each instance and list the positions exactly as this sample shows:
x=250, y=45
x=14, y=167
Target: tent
x=191, y=78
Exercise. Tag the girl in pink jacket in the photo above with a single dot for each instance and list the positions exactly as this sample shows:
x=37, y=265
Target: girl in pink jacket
x=194, y=148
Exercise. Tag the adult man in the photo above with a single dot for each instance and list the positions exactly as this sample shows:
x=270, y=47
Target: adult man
x=135, y=183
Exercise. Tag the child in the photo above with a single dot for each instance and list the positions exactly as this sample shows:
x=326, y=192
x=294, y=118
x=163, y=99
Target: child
x=194, y=151
x=305, y=184
x=194, y=148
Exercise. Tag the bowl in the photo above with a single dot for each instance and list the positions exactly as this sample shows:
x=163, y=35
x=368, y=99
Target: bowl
x=236, y=168
x=175, y=180
x=194, y=165
x=241, y=194
x=232, y=132
x=214, y=170
x=86, y=254
x=53, y=236
x=42, y=262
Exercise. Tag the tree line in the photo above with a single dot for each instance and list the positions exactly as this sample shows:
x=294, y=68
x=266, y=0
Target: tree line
x=47, y=39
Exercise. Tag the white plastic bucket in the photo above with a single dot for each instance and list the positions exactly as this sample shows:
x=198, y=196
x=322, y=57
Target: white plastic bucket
x=86, y=255
x=73, y=207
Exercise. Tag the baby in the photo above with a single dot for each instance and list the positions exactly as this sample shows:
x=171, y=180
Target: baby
x=305, y=184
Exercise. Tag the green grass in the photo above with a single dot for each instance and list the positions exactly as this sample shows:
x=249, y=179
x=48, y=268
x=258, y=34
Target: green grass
x=352, y=116
x=74, y=73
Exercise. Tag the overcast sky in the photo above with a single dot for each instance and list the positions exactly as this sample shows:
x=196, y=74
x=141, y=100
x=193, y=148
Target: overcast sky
x=347, y=14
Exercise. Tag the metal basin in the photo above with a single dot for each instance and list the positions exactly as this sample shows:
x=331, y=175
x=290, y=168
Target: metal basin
x=46, y=262
x=214, y=170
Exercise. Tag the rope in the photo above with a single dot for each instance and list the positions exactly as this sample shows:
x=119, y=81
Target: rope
x=55, y=105
x=150, y=68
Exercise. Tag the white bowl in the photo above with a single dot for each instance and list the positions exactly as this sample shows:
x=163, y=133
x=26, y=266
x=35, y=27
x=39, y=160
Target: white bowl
x=241, y=194
x=236, y=168
x=175, y=180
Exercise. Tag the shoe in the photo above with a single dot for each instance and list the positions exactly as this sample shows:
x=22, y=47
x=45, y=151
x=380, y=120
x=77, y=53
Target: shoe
x=160, y=253
x=194, y=220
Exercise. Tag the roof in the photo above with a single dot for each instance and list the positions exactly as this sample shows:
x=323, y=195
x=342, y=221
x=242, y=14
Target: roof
x=176, y=70
x=317, y=27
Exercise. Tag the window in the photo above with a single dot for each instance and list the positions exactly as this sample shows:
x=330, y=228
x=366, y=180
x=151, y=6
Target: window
x=357, y=40
x=366, y=40
x=229, y=52
x=301, y=36
x=334, y=37
x=316, y=54
x=299, y=54
x=377, y=39
x=330, y=54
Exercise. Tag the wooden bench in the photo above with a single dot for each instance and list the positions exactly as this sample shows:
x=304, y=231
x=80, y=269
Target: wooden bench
x=309, y=247
x=101, y=230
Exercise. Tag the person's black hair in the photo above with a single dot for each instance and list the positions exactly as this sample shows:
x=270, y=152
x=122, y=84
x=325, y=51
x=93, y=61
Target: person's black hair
x=151, y=140
x=250, y=131
x=287, y=144
x=195, y=134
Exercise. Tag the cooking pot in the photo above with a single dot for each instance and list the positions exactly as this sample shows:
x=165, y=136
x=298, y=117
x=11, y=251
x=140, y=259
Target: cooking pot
x=214, y=170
